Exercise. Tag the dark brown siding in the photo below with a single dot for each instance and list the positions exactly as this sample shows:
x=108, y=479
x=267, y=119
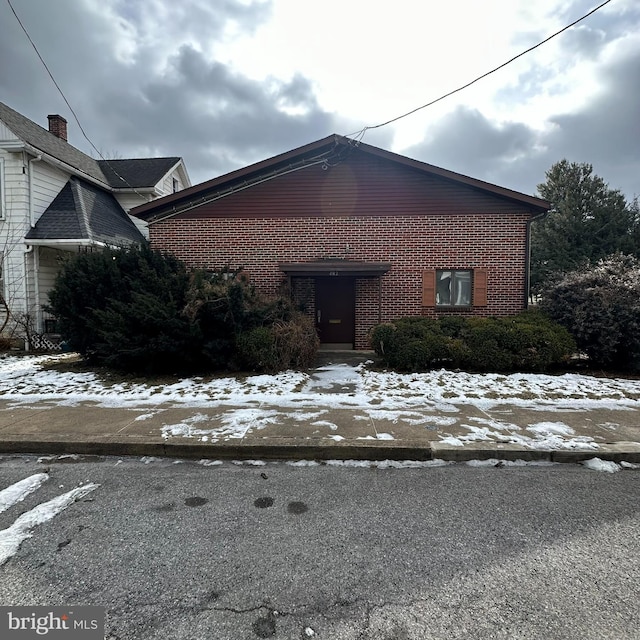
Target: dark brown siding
x=363, y=185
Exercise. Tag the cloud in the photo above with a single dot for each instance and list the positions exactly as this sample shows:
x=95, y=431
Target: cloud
x=151, y=78
x=144, y=79
x=604, y=131
x=468, y=142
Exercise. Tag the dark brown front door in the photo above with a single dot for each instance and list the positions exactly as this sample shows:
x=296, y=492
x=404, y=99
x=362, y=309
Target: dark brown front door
x=336, y=310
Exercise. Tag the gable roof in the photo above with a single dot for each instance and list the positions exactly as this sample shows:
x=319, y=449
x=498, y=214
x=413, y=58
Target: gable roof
x=84, y=212
x=136, y=173
x=328, y=151
x=45, y=141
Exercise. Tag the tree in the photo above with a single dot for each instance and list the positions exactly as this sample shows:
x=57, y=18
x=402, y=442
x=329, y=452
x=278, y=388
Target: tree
x=587, y=222
x=600, y=306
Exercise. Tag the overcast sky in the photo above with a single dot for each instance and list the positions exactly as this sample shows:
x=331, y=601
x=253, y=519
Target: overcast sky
x=224, y=83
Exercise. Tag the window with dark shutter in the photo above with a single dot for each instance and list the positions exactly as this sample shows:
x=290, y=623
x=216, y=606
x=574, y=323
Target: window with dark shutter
x=456, y=288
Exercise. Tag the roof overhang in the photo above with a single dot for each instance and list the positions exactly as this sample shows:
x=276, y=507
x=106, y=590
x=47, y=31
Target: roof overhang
x=65, y=244
x=335, y=268
x=320, y=152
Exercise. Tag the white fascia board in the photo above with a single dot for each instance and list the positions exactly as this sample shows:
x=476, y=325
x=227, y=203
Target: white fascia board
x=12, y=146
x=66, y=167
x=55, y=242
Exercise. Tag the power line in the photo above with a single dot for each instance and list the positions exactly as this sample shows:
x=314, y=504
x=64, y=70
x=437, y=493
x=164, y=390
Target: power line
x=360, y=134
x=44, y=64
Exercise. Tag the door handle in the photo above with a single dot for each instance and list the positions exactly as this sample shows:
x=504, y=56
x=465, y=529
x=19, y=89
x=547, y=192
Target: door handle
x=319, y=315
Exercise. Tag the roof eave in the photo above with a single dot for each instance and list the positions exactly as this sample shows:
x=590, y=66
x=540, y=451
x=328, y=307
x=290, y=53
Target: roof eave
x=34, y=151
x=189, y=198
x=263, y=165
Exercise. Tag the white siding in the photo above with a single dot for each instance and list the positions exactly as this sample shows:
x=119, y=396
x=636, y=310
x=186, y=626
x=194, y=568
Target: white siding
x=166, y=186
x=2, y=187
x=130, y=200
x=47, y=184
x=19, y=264
x=6, y=133
x=13, y=227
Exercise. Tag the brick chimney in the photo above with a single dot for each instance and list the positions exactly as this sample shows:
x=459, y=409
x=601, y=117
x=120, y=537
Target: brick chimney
x=58, y=126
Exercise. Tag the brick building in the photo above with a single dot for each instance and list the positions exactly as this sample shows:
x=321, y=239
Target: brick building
x=360, y=235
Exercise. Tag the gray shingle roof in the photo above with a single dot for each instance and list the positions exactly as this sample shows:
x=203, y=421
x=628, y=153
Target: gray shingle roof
x=82, y=211
x=137, y=172
x=38, y=137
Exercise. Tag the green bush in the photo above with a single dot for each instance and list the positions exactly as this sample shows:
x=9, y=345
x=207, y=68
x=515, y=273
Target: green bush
x=123, y=308
x=526, y=342
x=600, y=306
x=143, y=311
x=413, y=344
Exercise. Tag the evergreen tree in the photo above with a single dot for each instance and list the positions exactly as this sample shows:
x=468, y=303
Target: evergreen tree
x=587, y=222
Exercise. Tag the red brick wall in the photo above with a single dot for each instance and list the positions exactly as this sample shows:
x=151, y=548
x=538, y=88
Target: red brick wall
x=412, y=243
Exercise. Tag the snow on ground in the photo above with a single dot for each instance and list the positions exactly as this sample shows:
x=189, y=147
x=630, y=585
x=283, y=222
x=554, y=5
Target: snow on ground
x=596, y=464
x=20, y=490
x=546, y=435
x=12, y=537
x=431, y=401
x=26, y=380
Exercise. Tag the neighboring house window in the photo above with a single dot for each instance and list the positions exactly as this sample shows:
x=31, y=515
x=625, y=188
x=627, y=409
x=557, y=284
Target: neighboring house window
x=176, y=186
x=458, y=288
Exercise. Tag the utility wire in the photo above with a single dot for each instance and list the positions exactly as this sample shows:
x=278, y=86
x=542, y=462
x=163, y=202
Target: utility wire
x=44, y=64
x=360, y=134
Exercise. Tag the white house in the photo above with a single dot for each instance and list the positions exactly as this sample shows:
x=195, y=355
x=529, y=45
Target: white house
x=56, y=199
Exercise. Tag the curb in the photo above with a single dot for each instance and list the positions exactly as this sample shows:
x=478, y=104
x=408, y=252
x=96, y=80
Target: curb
x=614, y=452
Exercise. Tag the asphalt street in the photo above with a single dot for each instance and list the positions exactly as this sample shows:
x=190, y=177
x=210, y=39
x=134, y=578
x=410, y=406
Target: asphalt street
x=179, y=550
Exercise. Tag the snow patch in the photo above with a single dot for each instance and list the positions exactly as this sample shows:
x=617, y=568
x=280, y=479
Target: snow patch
x=18, y=491
x=551, y=428
x=325, y=423
x=596, y=464
x=20, y=530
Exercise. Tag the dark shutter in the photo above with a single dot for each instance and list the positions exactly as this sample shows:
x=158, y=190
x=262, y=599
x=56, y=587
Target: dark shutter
x=429, y=288
x=480, y=287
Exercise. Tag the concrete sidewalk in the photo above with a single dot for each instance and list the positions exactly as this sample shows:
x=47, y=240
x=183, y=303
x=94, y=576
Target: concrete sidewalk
x=269, y=432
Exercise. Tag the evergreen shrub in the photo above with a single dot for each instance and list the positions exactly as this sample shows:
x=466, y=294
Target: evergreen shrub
x=140, y=310
x=529, y=341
